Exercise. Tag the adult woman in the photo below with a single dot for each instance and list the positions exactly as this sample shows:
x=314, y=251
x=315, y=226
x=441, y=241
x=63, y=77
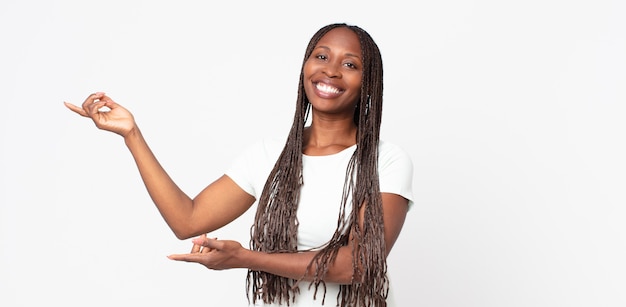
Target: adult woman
x=336, y=163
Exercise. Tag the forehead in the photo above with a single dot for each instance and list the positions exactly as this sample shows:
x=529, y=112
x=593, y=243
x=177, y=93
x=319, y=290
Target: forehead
x=341, y=38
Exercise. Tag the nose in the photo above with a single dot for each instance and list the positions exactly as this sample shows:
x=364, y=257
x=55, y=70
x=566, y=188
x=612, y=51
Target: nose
x=332, y=69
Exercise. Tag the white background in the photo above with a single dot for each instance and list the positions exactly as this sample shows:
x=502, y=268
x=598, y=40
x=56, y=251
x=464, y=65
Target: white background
x=513, y=112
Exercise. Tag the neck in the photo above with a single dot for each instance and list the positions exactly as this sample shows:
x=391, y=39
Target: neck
x=329, y=137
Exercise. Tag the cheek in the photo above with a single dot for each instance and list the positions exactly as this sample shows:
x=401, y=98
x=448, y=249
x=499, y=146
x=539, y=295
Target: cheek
x=307, y=70
x=356, y=81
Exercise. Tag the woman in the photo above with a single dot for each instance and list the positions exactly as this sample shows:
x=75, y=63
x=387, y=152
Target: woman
x=332, y=199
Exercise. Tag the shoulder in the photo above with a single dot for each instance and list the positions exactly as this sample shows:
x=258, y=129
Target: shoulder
x=389, y=151
x=270, y=147
x=394, y=162
x=252, y=166
x=395, y=171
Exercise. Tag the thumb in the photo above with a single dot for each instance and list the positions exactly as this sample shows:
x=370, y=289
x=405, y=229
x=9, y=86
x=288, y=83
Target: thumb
x=109, y=103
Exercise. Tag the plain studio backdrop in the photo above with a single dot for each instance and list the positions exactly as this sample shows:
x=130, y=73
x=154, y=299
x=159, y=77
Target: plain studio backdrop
x=513, y=113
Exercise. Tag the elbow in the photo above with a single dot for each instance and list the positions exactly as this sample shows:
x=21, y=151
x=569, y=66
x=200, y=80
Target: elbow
x=181, y=236
x=343, y=270
x=183, y=233
x=344, y=276
x=341, y=273
x=345, y=273
x=185, y=227
x=347, y=277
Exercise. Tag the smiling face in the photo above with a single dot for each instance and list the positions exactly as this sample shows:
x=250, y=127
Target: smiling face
x=333, y=73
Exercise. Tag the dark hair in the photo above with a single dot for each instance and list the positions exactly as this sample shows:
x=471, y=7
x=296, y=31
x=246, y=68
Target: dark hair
x=275, y=226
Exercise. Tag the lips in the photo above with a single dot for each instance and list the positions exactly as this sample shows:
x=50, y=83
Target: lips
x=326, y=90
x=322, y=87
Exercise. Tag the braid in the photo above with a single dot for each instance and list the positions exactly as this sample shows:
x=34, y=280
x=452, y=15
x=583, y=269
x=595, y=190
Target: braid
x=275, y=226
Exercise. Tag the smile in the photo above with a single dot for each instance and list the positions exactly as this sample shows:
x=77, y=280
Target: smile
x=325, y=88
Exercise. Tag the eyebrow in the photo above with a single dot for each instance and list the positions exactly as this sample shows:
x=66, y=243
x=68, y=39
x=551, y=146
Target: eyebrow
x=347, y=54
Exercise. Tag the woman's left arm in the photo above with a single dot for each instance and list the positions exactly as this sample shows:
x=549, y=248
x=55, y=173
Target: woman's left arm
x=226, y=254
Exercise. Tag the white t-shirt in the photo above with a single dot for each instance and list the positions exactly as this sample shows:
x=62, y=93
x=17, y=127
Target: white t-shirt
x=321, y=193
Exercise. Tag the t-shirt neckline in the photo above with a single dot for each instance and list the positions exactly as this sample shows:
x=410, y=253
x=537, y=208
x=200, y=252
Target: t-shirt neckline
x=341, y=152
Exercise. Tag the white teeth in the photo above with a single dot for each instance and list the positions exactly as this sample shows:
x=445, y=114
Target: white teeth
x=327, y=88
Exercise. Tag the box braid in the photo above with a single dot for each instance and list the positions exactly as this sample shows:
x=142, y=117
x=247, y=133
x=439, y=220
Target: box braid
x=275, y=226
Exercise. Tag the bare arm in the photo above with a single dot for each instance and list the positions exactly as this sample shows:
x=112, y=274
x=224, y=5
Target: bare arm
x=217, y=205
x=226, y=254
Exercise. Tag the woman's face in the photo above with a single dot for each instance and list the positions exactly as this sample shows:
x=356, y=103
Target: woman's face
x=333, y=73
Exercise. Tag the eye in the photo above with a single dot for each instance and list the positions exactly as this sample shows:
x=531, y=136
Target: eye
x=351, y=65
x=321, y=57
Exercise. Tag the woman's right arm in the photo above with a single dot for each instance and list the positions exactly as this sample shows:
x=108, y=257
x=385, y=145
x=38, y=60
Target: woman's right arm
x=217, y=205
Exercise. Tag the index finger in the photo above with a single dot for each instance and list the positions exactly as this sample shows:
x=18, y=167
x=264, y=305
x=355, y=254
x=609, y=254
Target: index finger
x=92, y=98
x=76, y=109
x=82, y=110
x=196, y=247
x=210, y=243
x=187, y=257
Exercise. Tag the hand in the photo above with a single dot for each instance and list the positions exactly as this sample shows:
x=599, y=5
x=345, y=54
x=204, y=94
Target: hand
x=213, y=254
x=116, y=119
x=198, y=248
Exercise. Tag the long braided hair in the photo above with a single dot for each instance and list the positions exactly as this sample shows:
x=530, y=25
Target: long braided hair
x=275, y=226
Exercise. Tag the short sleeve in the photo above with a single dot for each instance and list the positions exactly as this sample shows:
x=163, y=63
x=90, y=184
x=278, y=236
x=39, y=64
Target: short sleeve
x=250, y=169
x=395, y=171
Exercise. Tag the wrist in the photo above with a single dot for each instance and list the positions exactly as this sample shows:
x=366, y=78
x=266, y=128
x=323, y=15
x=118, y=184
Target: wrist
x=132, y=135
x=250, y=259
